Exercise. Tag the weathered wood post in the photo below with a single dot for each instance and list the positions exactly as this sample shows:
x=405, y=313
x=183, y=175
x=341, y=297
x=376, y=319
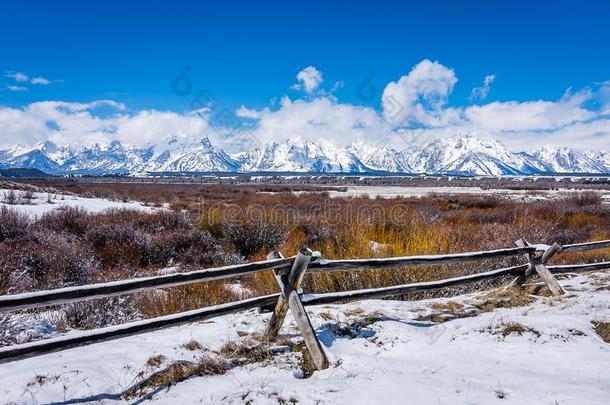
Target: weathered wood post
x=537, y=262
x=290, y=284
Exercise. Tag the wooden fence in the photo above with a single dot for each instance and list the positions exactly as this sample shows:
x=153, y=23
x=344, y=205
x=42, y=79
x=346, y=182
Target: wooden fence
x=289, y=273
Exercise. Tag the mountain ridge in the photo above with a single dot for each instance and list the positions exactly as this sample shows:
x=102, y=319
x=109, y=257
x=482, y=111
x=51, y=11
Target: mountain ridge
x=458, y=155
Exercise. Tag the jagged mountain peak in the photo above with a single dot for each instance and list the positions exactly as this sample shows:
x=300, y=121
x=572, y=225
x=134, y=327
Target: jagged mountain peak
x=461, y=154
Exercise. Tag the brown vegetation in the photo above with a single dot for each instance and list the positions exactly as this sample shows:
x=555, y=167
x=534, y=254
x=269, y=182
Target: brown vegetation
x=512, y=298
x=517, y=329
x=602, y=329
x=214, y=225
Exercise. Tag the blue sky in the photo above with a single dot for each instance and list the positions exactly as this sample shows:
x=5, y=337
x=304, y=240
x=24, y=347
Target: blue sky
x=248, y=54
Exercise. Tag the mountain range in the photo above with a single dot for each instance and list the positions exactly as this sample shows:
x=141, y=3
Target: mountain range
x=459, y=155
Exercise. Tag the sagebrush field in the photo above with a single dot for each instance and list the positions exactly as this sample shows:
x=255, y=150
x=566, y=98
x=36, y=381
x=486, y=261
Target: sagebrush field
x=199, y=226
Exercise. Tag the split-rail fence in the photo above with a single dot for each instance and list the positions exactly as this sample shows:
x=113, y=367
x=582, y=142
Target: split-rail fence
x=289, y=272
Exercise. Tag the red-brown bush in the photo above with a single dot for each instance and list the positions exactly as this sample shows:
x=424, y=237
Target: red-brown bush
x=13, y=224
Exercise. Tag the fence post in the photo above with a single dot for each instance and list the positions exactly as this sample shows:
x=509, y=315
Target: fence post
x=537, y=263
x=290, y=284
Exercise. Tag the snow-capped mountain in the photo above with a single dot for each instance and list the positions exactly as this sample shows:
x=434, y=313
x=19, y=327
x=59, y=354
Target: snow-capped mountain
x=379, y=157
x=600, y=157
x=185, y=156
x=37, y=157
x=110, y=158
x=566, y=160
x=467, y=155
x=295, y=155
x=463, y=155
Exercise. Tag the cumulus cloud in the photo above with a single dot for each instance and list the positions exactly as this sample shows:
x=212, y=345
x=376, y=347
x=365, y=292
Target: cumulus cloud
x=419, y=97
x=414, y=109
x=320, y=118
x=417, y=104
x=530, y=115
x=481, y=93
x=308, y=80
x=79, y=124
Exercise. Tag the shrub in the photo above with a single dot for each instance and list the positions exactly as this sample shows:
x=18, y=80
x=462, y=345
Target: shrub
x=68, y=219
x=489, y=216
x=158, y=221
x=252, y=235
x=100, y=313
x=118, y=244
x=316, y=232
x=28, y=197
x=13, y=224
x=44, y=260
x=188, y=247
x=583, y=198
x=12, y=197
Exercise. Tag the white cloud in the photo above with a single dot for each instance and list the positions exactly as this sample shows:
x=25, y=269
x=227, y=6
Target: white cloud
x=417, y=103
x=579, y=119
x=153, y=125
x=17, y=88
x=529, y=115
x=419, y=97
x=603, y=96
x=79, y=124
x=320, y=118
x=24, y=78
x=309, y=79
x=17, y=76
x=481, y=93
x=40, y=80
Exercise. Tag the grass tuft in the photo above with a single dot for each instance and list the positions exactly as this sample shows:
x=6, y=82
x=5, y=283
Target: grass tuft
x=193, y=345
x=602, y=329
x=510, y=298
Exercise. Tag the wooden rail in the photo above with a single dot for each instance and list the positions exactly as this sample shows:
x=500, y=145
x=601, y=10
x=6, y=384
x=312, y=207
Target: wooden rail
x=289, y=273
x=103, y=290
x=422, y=260
x=370, y=293
x=18, y=352
x=579, y=247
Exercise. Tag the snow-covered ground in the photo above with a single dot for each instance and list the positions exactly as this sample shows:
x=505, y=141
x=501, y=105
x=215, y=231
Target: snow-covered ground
x=400, y=191
x=45, y=202
x=396, y=359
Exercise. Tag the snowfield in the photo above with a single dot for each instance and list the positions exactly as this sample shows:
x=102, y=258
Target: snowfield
x=410, y=192
x=393, y=358
x=46, y=202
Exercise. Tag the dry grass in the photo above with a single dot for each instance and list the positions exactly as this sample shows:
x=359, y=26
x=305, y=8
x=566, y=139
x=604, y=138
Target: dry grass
x=447, y=311
x=354, y=311
x=602, y=328
x=185, y=298
x=192, y=345
x=232, y=354
x=517, y=329
x=327, y=316
x=305, y=362
x=128, y=244
x=500, y=298
x=177, y=372
x=246, y=352
x=357, y=327
x=447, y=306
x=155, y=361
x=540, y=290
